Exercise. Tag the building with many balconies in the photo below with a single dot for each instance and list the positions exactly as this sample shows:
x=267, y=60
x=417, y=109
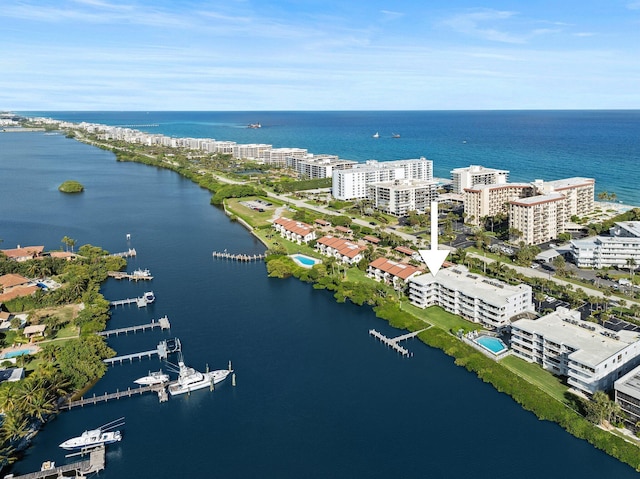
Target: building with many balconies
x=620, y=249
x=476, y=298
x=474, y=175
x=353, y=183
x=591, y=357
x=482, y=201
x=398, y=197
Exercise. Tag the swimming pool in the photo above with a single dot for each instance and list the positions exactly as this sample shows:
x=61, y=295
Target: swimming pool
x=494, y=345
x=15, y=354
x=305, y=261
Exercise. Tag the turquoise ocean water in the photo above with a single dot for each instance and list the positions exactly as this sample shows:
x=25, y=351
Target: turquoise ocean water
x=547, y=145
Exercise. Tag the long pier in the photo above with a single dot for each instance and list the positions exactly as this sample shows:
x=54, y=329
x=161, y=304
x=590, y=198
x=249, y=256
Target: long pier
x=238, y=257
x=95, y=463
x=127, y=393
x=163, y=350
x=162, y=323
x=393, y=342
x=130, y=253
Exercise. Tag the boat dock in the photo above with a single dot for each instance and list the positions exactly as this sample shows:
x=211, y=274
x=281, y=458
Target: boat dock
x=159, y=389
x=163, y=350
x=141, y=302
x=162, y=323
x=126, y=254
x=129, y=276
x=238, y=257
x=393, y=342
x=95, y=463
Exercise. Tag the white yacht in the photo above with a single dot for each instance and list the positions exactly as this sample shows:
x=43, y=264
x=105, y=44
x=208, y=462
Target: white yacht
x=190, y=379
x=155, y=377
x=149, y=297
x=142, y=273
x=376, y=135
x=95, y=437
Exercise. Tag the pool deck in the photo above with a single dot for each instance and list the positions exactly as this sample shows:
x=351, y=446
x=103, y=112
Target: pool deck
x=295, y=256
x=31, y=347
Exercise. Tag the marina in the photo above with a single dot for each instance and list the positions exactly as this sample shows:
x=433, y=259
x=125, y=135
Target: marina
x=393, y=342
x=162, y=323
x=238, y=257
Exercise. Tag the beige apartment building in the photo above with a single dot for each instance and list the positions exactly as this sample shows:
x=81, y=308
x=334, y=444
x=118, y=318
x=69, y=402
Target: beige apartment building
x=488, y=200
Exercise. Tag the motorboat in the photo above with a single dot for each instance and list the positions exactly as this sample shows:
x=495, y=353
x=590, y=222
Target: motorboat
x=254, y=125
x=376, y=135
x=189, y=379
x=395, y=135
x=155, y=377
x=141, y=273
x=100, y=436
x=149, y=297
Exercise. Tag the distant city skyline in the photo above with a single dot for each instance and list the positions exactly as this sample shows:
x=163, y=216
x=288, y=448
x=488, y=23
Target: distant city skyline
x=312, y=55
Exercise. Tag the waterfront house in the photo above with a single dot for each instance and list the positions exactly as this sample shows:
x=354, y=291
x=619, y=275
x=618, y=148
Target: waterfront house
x=23, y=253
x=392, y=272
x=293, y=230
x=14, y=286
x=344, y=250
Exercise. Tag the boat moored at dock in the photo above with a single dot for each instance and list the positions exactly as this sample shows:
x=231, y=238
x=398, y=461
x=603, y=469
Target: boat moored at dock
x=155, y=377
x=189, y=379
x=100, y=436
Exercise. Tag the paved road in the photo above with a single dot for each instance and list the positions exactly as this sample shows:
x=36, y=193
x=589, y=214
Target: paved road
x=535, y=273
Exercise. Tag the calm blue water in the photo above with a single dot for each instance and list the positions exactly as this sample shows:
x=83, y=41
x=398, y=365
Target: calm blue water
x=548, y=145
x=492, y=344
x=315, y=397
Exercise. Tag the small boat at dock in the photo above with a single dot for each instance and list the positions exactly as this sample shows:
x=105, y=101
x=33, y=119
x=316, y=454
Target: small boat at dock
x=100, y=436
x=141, y=273
x=155, y=377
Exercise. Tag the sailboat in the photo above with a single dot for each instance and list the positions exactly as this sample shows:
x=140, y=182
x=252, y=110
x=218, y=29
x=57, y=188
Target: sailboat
x=376, y=135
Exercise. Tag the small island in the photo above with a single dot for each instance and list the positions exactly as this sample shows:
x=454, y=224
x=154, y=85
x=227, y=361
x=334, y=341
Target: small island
x=71, y=186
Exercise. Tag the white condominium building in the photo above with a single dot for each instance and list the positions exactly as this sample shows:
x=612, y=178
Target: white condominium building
x=474, y=297
x=477, y=175
x=278, y=156
x=579, y=193
x=539, y=218
x=318, y=166
x=353, y=183
x=481, y=201
x=620, y=249
x=627, y=396
x=251, y=151
x=590, y=356
x=398, y=197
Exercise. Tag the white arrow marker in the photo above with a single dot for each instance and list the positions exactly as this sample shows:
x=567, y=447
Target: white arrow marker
x=434, y=257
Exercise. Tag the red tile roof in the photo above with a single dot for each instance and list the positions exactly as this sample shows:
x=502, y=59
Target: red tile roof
x=342, y=246
x=31, y=251
x=371, y=239
x=405, y=250
x=11, y=280
x=294, y=226
x=401, y=270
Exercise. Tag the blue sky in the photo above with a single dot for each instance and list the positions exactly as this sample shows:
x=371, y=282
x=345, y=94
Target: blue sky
x=319, y=55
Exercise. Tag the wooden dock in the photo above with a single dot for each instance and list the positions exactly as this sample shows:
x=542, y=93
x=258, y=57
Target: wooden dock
x=95, y=463
x=126, y=254
x=162, y=323
x=159, y=389
x=130, y=276
x=393, y=342
x=239, y=257
x=163, y=350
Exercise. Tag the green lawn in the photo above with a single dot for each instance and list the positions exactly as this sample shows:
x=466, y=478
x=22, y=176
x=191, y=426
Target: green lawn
x=255, y=218
x=537, y=376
